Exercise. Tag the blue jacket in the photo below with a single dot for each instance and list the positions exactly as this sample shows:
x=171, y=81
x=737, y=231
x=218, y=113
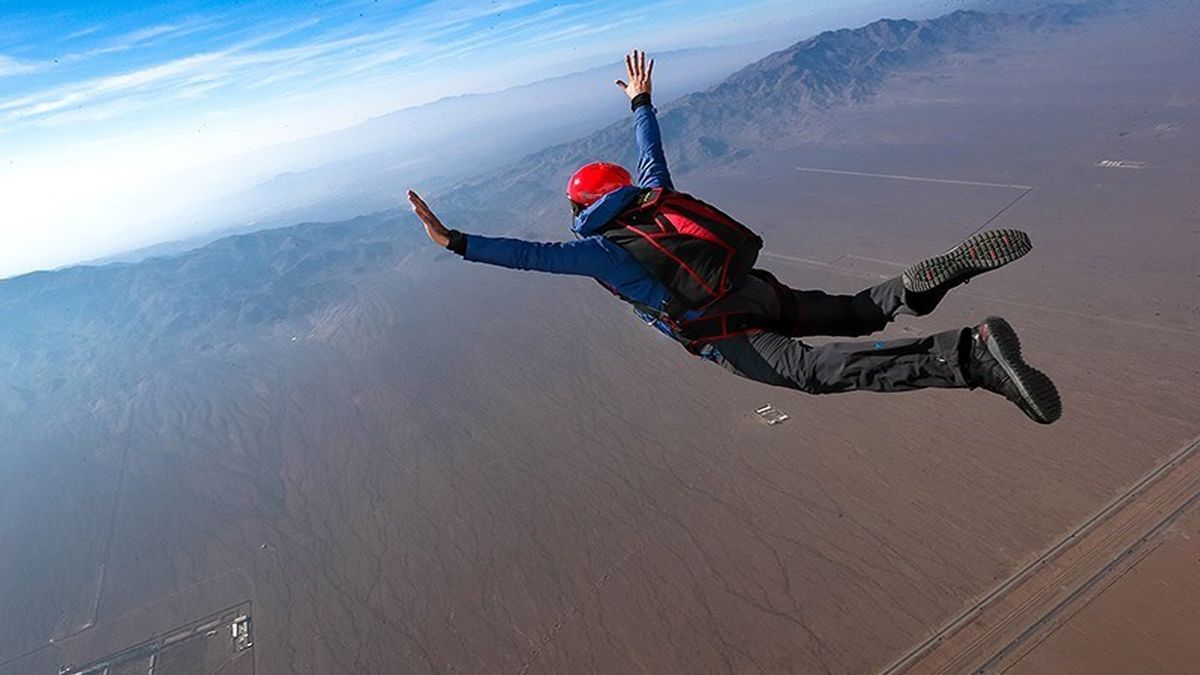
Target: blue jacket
x=592, y=255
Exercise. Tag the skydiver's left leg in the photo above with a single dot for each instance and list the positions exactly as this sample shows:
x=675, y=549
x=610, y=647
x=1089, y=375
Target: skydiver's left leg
x=866, y=312
x=917, y=292
x=817, y=313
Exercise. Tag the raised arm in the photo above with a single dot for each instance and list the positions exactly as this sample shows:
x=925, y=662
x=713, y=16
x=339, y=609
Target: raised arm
x=652, y=161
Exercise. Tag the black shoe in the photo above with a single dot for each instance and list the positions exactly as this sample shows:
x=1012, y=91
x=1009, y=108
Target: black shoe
x=994, y=363
x=980, y=253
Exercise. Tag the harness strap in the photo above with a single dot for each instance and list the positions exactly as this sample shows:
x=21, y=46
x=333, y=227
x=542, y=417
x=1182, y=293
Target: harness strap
x=695, y=333
x=718, y=327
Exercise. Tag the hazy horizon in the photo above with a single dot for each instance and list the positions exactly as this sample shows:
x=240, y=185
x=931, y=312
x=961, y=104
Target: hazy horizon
x=124, y=130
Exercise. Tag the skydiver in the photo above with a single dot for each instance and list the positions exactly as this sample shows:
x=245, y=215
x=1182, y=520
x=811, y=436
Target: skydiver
x=641, y=242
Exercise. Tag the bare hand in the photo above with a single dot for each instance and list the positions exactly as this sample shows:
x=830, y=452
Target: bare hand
x=433, y=227
x=639, y=74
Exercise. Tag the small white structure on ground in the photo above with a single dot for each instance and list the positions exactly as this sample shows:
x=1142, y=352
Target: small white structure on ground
x=771, y=415
x=1120, y=164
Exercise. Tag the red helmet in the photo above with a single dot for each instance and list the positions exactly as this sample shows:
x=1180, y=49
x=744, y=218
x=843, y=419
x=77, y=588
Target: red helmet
x=595, y=180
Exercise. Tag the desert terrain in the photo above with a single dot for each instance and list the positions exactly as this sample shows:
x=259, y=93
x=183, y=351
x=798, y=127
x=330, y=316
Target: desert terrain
x=410, y=464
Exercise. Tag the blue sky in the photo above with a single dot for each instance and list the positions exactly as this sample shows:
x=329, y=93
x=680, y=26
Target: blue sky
x=70, y=69
x=101, y=101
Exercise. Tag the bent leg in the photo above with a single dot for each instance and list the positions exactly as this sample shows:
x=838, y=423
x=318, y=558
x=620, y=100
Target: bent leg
x=813, y=313
x=869, y=311
x=886, y=366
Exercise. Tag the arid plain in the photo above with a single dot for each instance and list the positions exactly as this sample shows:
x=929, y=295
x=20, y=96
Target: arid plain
x=467, y=470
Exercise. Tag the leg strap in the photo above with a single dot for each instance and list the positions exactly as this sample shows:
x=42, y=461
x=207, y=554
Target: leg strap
x=720, y=326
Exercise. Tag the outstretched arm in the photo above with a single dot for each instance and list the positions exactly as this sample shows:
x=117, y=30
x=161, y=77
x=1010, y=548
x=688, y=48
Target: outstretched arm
x=584, y=257
x=652, y=161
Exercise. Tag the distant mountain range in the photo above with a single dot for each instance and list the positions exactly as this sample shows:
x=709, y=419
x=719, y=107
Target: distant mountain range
x=51, y=321
x=355, y=170
x=768, y=101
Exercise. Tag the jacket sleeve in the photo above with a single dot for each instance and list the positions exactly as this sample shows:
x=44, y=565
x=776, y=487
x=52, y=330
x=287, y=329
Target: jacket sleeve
x=652, y=161
x=584, y=257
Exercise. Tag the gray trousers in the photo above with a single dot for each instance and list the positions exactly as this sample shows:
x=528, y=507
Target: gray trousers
x=781, y=359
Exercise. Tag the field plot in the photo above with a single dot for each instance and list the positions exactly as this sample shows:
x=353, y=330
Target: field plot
x=213, y=643
x=165, y=635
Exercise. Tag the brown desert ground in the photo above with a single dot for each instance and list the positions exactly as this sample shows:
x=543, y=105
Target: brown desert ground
x=1145, y=622
x=471, y=470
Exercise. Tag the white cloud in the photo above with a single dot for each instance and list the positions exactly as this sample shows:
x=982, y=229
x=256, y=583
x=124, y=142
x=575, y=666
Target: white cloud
x=10, y=67
x=142, y=37
x=434, y=32
x=145, y=34
x=83, y=32
x=91, y=114
x=88, y=91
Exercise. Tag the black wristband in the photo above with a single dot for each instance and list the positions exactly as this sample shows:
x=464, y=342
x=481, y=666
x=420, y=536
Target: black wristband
x=639, y=100
x=457, y=243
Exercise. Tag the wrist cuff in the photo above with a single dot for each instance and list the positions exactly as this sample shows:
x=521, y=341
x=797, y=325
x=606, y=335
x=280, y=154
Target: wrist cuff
x=458, y=242
x=639, y=101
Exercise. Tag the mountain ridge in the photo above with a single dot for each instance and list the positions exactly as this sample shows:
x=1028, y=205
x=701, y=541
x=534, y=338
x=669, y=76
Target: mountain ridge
x=771, y=97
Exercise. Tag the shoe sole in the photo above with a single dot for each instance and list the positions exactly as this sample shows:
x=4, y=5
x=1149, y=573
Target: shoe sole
x=1040, y=398
x=980, y=253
